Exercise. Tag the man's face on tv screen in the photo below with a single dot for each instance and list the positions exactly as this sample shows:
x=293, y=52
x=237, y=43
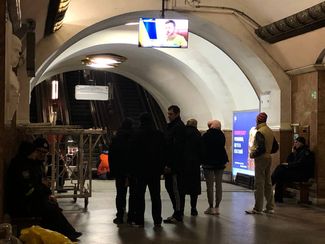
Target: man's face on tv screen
x=170, y=29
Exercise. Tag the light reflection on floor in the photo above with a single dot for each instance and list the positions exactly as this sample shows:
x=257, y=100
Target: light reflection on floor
x=292, y=223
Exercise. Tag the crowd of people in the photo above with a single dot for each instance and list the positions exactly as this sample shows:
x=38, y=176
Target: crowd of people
x=139, y=156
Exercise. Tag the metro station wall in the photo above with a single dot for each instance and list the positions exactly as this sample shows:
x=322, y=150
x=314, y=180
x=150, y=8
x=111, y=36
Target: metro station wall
x=304, y=103
x=307, y=108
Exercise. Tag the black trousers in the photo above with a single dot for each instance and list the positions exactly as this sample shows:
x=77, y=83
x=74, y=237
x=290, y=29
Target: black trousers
x=193, y=200
x=153, y=183
x=176, y=194
x=283, y=175
x=122, y=183
x=52, y=217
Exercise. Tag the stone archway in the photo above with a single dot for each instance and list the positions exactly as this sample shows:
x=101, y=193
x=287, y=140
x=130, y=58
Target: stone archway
x=258, y=79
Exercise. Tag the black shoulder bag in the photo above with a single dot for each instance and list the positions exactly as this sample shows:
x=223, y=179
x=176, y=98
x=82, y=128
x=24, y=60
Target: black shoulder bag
x=275, y=146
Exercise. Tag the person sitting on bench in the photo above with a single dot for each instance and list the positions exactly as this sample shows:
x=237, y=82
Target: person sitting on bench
x=299, y=167
x=27, y=192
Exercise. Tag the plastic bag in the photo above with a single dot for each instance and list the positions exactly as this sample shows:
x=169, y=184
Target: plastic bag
x=39, y=235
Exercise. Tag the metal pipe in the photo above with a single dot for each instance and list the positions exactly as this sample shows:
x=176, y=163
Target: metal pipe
x=163, y=9
x=226, y=9
x=235, y=11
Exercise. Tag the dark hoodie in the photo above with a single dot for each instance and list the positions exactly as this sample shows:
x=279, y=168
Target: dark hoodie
x=215, y=153
x=120, y=158
x=148, y=148
x=175, y=141
x=302, y=161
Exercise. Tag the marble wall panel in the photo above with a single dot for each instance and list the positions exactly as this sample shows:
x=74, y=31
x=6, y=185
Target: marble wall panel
x=308, y=108
x=303, y=97
x=319, y=150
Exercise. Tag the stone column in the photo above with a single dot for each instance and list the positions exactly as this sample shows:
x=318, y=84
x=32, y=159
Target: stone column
x=8, y=134
x=2, y=97
x=320, y=153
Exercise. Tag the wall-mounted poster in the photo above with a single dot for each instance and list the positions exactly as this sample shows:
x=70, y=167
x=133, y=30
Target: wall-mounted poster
x=243, y=134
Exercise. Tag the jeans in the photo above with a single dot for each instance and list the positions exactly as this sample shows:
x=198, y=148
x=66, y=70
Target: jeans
x=211, y=176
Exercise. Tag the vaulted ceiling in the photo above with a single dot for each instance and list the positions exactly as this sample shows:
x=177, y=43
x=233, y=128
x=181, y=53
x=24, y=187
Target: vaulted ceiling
x=226, y=67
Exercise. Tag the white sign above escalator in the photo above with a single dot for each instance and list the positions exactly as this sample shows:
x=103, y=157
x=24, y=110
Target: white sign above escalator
x=87, y=92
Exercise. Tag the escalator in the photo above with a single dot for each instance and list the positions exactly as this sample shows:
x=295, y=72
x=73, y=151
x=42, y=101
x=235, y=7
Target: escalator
x=79, y=110
x=129, y=101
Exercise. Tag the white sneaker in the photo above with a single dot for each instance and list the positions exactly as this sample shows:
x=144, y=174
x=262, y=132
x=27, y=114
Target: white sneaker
x=212, y=211
x=208, y=211
x=268, y=211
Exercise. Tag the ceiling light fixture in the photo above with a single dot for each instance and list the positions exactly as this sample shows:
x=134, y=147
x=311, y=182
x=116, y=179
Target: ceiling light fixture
x=132, y=23
x=103, y=61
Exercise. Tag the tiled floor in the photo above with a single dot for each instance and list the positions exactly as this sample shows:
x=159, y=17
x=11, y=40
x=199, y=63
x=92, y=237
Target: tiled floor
x=291, y=223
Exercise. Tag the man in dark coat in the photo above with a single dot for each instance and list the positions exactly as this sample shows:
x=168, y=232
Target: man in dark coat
x=28, y=193
x=299, y=166
x=191, y=172
x=175, y=140
x=148, y=151
x=120, y=165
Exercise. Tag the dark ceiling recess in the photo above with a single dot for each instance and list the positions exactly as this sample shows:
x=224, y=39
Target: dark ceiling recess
x=55, y=15
x=305, y=21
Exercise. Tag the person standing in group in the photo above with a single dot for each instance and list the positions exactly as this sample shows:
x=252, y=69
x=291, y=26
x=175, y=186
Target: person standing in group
x=261, y=152
x=175, y=141
x=190, y=172
x=148, y=151
x=120, y=165
x=214, y=163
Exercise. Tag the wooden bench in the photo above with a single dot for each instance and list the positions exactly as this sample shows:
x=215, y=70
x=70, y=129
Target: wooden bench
x=303, y=188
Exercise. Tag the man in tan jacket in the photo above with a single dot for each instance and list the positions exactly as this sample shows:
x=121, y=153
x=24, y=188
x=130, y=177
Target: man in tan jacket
x=261, y=152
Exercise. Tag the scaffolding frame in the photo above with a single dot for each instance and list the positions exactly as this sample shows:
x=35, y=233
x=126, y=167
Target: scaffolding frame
x=81, y=173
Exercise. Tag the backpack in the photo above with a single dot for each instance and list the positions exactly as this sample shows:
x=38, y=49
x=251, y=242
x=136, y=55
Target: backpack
x=275, y=146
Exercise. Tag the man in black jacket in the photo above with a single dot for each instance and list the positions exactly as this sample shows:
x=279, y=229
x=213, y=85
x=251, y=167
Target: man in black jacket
x=148, y=151
x=299, y=166
x=175, y=140
x=121, y=169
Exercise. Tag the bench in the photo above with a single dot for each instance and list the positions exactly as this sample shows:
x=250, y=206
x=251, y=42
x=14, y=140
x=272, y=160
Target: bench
x=303, y=188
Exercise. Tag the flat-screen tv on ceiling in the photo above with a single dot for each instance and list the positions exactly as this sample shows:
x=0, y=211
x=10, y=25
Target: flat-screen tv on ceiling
x=172, y=33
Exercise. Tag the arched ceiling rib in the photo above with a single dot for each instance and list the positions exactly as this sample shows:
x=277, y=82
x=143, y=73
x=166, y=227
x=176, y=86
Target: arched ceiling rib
x=202, y=79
